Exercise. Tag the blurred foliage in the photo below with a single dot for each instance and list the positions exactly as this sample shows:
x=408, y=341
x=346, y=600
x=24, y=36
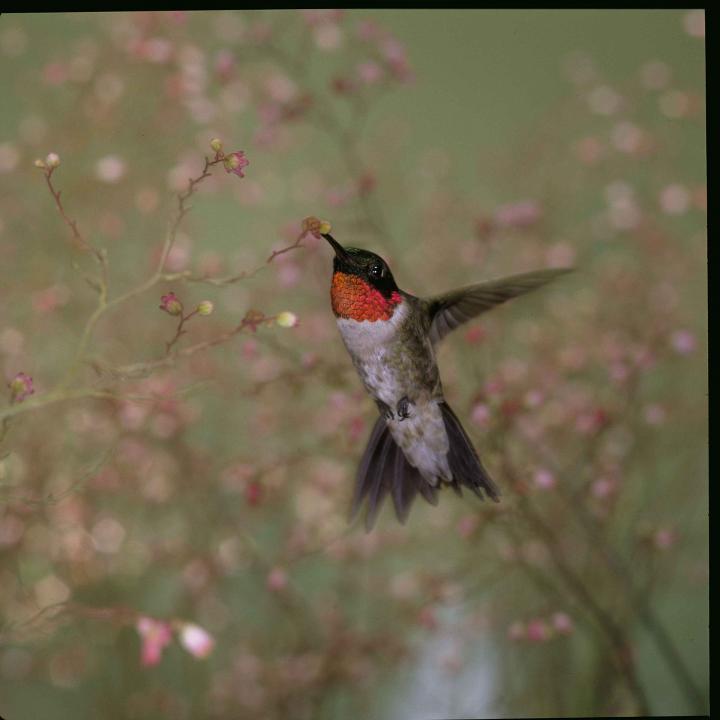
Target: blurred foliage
x=173, y=540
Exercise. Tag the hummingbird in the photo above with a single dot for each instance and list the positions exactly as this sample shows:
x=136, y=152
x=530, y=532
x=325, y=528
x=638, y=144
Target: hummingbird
x=417, y=444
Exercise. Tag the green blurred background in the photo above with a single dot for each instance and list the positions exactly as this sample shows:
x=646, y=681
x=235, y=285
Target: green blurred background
x=222, y=500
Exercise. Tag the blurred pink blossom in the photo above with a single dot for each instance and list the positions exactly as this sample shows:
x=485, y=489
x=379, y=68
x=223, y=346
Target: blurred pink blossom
x=683, y=341
x=328, y=36
x=467, y=525
x=694, y=23
x=627, y=137
x=253, y=493
x=197, y=641
x=224, y=64
x=481, y=414
x=518, y=215
x=562, y=623
x=369, y=72
x=277, y=579
x=544, y=479
x=655, y=74
x=604, y=100
x=589, y=150
x=51, y=298
x=356, y=428
x=55, y=73
x=654, y=414
x=664, y=538
x=537, y=630
x=674, y=104
x=603, y=488
x=674, y=199
x=322, y=17
x=21, y=387
x=155, y=635
x=475, y=334
x=427, y=618
x=110, y=169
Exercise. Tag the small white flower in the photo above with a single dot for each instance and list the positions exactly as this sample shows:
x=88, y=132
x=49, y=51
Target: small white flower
x=52, y=160
x=197, y=641
x=110, y=169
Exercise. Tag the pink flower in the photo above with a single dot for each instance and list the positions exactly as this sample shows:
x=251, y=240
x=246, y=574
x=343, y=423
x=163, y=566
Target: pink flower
x=654, y=414
x=277, y=579
x=694, y=22
x=664, y=539
x=544, y=479
x=481, y=415
x=21, y=386
x=603, y=488
x=467, y=525
x=253, y=493
x=428, y=619
x=369, y=72
x=171, y=304
x=518, y=215
x=675, y=199
x=475, y=334
x=197, y=641
x=683, y=341
x=235, y=162
x=155, y=636
x=563, y=623
x=537, y=630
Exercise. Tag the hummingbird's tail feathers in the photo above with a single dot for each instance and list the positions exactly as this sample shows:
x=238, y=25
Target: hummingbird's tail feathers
x=384, y=469
x=465, y=465
x=452, y=309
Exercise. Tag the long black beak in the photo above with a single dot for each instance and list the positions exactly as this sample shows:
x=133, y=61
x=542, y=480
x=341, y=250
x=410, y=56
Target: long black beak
x=338, y=248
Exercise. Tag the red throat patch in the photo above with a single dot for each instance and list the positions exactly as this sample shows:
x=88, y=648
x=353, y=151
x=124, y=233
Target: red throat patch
x=355, y=299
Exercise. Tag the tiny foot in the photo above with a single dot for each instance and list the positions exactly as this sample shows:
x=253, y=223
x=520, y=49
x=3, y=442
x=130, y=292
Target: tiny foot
x=384, y=409
x=403, y=408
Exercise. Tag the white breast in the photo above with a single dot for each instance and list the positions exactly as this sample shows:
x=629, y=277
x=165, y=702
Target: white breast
x=364, y=338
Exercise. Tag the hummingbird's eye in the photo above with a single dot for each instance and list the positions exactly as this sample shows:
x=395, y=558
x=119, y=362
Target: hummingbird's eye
x=376, y=271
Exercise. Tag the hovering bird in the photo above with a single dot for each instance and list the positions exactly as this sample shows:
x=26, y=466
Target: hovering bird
x=417, y=443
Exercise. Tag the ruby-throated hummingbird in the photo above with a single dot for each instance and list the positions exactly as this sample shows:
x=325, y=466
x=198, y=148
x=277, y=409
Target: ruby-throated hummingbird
x=417, y=443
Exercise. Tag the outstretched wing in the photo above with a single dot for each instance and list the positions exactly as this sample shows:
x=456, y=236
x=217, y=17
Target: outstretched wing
x=454, y=308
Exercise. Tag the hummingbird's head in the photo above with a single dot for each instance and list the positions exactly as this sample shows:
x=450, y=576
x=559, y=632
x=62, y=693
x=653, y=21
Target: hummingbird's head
x=363, y=287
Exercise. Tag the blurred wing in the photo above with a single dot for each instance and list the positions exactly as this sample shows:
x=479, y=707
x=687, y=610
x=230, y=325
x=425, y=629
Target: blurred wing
x=453, y=309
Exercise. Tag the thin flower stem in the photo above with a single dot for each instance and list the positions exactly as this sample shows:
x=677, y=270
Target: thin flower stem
x=613, y=631
x=100, y=255
x=636, y=598
x=103, y=304
x=180, y=331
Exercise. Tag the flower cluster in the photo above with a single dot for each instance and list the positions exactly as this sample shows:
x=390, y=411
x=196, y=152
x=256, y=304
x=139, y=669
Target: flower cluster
x=156, y=635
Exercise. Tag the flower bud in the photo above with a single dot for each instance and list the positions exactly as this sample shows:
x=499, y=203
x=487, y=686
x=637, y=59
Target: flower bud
x=52, y=160
x=21, y=386
x=315, y=226
x=171, y=304
x=205, y=307
x=287, y=319
x=40, y=164
x=216, y=144
x=155, y=635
